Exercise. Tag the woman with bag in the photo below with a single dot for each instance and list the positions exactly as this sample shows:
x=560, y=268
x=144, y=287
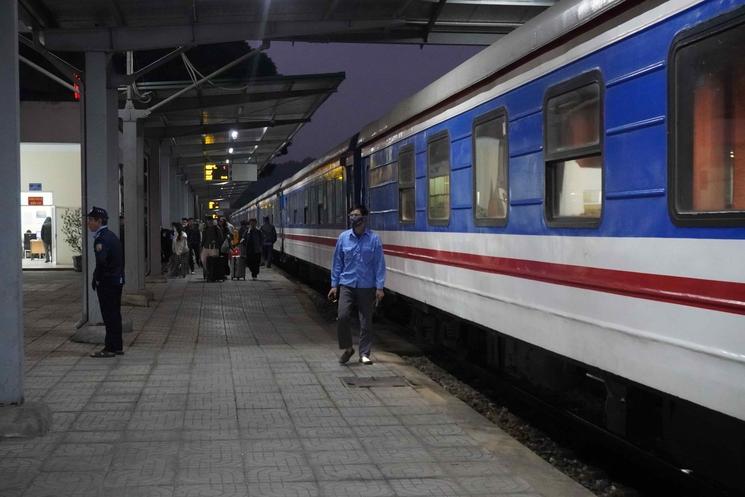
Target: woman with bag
x=180, y=251
x=252, y=241
x=212, y=240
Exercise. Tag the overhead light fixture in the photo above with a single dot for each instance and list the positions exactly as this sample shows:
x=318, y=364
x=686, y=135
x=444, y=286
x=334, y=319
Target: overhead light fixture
x=227, y=161
x=230, y=150
x=233, y=134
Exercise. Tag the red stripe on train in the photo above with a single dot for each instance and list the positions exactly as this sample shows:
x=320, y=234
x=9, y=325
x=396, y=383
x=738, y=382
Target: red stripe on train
x=721, y=296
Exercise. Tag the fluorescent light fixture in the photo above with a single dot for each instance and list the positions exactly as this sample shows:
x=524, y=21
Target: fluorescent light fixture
x=233, y=134
x=227, y=161
x=230, y=150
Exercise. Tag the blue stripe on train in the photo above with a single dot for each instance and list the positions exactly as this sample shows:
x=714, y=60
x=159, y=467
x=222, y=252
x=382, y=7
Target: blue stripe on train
x=635, y=148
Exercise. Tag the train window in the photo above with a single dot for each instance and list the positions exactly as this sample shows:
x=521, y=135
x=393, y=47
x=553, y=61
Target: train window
x=490, y=169
x=341, y=204
x=707, y=123
x=438, y=179
x=573, y=151
x=406, y=180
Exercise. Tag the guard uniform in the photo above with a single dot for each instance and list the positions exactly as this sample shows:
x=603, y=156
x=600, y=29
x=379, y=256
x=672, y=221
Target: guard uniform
x=108, y=280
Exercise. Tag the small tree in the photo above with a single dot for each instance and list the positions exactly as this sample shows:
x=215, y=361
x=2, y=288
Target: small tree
x=72, y=229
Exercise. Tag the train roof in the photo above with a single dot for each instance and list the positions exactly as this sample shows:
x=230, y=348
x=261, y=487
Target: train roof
x=547, y=27
x=329, y=156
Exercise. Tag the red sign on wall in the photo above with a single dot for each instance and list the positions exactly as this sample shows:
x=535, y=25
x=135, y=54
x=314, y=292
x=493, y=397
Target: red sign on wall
x=36, y=201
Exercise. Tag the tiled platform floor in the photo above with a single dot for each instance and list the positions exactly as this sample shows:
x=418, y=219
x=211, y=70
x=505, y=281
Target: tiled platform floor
x=233, y=389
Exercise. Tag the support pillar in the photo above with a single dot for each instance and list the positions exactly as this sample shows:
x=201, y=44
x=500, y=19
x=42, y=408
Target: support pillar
x=165, y=185
x=132, y=146
x=11, y=291
x=101, y=165
x=154, y=217
x=31, y=419
x=100, y=180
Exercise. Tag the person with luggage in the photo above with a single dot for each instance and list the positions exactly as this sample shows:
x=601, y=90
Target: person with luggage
x=194, y=237
x=357, y=277
x=108, y=280
x=252, y=242
x=269, y=233
x=181, y=253
x=46, y=237
x=212, y=240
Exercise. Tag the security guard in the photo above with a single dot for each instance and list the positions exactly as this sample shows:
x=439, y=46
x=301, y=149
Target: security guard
x=108, y=279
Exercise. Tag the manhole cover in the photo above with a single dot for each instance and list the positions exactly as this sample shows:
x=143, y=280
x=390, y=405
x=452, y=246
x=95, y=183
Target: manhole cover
x=372, y=381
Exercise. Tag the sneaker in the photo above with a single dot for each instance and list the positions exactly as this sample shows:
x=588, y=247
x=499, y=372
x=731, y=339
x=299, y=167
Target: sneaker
x=365, y=360
x=346, y=355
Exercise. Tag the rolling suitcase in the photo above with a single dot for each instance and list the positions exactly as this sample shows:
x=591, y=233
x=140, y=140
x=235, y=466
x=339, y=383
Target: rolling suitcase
x=239, y=268
x=215, y=270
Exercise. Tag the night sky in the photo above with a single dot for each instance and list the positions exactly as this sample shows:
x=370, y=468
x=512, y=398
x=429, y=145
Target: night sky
x=378, y=77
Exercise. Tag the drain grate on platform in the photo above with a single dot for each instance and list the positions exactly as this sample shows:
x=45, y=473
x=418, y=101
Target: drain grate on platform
x=373, y=381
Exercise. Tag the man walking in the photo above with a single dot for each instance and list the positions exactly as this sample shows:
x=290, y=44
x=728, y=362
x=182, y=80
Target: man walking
x=269, y=234
x=357, y=277
x=252, y=244
x=108, y=279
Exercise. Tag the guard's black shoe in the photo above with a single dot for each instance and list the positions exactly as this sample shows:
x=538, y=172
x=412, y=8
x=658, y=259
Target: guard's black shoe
x=346, y=355
x=119, y=352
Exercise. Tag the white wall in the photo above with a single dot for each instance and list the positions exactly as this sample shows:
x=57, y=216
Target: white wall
x=57, y=167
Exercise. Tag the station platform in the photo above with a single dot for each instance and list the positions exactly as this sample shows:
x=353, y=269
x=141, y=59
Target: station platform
x=234, y=389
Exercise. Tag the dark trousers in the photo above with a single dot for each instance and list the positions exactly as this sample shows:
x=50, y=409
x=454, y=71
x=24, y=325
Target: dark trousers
x=364, y=298
x=110, y=300
x=253, y=261
x=267, y=252
x=194, y=255
x=48, y=251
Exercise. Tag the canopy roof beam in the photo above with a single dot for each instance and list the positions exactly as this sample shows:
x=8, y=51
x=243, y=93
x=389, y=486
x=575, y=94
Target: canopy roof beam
x=123, y=38
x=205, y=101
x=188, y=150
x=203, y=129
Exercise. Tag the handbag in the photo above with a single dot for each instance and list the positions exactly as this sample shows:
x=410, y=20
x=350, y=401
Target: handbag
x=225, y=249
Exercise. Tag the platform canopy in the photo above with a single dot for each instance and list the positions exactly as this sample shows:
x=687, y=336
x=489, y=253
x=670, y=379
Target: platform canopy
x=230, y=122
x=119, y=25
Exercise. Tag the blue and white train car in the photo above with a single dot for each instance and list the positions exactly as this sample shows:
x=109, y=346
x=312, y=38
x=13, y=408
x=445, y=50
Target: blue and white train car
x=579, y=186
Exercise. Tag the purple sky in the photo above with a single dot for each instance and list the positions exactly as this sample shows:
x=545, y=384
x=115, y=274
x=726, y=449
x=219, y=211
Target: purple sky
x=378, y=77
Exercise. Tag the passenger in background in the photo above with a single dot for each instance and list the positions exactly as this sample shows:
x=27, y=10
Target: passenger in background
x=46, y=237
x=195, y=242
x=357, y=277
x=269, y=233
x=212, y=239
x=166, y=247
x=180, y=251
x=252, y=243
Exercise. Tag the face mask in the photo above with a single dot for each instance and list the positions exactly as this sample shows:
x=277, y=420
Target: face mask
x=357, y=221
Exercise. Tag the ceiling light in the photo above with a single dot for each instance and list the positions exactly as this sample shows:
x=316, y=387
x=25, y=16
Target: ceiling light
x=230, y=150
x=233, y=134
x=227, y=161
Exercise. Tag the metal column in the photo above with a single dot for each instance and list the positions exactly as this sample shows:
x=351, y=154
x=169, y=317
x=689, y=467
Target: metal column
x=134, y=206
x=101, y=167
x=11, y=291
x=165, y=185
x=154, y=209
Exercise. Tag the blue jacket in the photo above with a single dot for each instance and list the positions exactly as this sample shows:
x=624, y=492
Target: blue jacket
x=109, y=258
x=358, y=261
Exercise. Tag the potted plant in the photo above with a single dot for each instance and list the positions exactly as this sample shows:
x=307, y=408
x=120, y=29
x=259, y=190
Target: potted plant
x=72, y=231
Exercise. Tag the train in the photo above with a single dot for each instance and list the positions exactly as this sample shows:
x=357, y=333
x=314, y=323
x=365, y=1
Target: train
x=575, y=194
